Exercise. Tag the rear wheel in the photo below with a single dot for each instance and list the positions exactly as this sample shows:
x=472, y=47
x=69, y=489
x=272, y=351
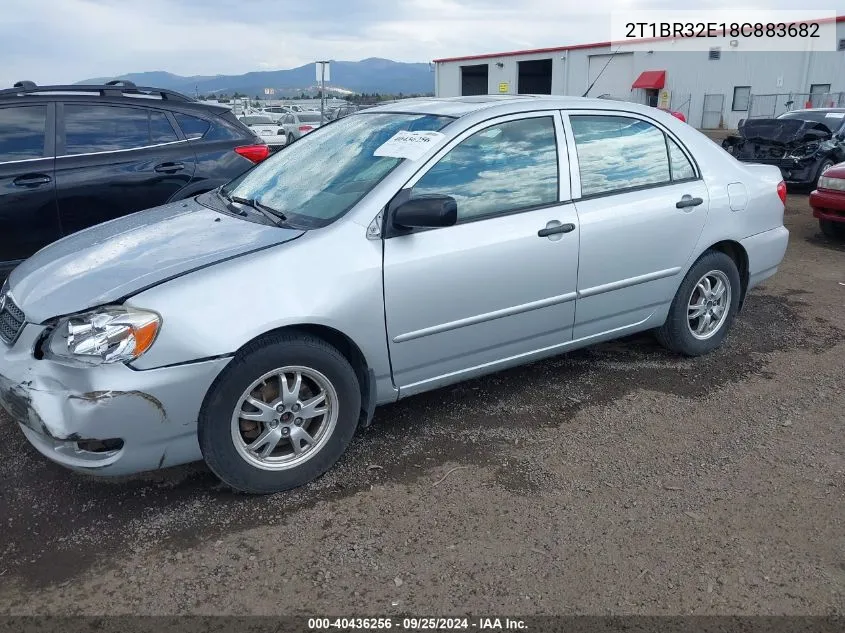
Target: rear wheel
x=290, y=139
x=280, y=414
x=833, y=230
x=704, y=307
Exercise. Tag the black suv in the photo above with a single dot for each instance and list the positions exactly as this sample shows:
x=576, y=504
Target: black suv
x=75, y=156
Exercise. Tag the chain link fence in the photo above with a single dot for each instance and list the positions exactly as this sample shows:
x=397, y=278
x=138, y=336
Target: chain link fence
x=772, y=105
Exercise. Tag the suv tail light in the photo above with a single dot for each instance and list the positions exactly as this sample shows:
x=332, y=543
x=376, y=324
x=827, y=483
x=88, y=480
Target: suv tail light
x=255, y=153
x=305, y=128
x=782, y=192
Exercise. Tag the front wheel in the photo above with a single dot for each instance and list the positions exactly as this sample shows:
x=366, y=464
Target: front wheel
x=280, y=414
x=704, y=306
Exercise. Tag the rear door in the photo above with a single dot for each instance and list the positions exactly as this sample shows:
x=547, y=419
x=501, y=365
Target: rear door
x=28, y=214
x=642, y=206
x=113, y=160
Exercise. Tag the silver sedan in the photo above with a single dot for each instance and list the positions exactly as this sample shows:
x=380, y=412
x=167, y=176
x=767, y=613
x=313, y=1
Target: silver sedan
x=395, y=251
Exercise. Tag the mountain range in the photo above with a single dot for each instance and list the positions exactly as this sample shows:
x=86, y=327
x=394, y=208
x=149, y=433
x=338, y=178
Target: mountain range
x=368, y=75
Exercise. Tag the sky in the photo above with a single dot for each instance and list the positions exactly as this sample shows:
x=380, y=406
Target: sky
x=63, y=41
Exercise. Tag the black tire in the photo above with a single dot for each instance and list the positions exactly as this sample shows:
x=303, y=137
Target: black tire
x=290, y=139
x=255, y=360
x=832, y=230
x=676, y=334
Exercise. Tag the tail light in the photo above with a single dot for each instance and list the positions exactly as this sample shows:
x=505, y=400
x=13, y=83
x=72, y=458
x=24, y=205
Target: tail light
x=255, y=153
x=305, y=128
x=782, y=192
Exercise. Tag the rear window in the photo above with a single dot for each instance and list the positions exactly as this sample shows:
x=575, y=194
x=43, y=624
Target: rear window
x=22, y=132
x=309, y=118
x=195, y=127
x=257, y=120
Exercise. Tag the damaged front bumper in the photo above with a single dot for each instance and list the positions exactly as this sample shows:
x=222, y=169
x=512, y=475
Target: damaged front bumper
x=109, y=419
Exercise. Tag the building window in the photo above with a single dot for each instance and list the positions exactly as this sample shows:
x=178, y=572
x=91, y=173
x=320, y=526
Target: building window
x=818, y=92
x=715, y=53
x=742, y=98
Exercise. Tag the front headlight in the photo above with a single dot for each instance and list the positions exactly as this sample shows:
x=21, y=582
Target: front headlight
x=837, y=184
x=111, y=334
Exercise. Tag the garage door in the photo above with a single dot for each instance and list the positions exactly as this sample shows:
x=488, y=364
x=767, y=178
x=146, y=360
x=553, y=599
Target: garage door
x=616, y=79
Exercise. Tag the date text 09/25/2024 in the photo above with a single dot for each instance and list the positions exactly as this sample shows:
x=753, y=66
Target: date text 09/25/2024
x=418, y=624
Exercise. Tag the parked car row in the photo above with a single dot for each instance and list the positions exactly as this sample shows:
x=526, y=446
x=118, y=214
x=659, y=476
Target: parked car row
x=75, y=156
x=257, y=326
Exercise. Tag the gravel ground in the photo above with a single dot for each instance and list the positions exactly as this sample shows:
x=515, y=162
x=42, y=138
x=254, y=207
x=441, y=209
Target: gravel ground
x=619, y=479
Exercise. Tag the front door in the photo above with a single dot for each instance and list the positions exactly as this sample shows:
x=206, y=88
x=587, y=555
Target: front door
x=500, y=284
x=642, y=208
x=115, y=160
x=28, y=216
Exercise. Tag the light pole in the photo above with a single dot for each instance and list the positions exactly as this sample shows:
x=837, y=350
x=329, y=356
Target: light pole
x=322, y=78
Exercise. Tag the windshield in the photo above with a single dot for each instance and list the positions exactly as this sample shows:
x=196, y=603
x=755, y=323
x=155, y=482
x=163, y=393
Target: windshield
x=325, y=173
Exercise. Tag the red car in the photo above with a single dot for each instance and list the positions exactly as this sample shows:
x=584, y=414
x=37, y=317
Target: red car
x=828, y=201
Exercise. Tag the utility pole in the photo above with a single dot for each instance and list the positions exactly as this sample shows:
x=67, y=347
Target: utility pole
x=322, y=78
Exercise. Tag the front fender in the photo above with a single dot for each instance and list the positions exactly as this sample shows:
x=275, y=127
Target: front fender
x=330, y=277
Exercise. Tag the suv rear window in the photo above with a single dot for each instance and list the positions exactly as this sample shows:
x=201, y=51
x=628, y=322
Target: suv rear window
x=22, y=132
x=100, y=128
x=195, y=127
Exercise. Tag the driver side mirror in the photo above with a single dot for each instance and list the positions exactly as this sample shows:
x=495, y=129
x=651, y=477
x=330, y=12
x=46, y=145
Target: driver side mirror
x=426, y=212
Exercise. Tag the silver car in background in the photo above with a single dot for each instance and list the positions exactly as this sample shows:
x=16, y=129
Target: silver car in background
x=298, y=124
x=397, y=250
x=267, y=130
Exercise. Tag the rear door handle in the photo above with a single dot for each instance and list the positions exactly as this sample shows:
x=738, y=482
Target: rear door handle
x=688, y=201
x=32, y=180
x=553, y=228
x=169, y=168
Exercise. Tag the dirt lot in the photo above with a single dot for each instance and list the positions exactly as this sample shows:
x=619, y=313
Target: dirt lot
x=620, y=479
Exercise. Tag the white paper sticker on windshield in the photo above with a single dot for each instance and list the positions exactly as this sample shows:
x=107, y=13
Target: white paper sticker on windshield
x=835, y=115
x=408, y=145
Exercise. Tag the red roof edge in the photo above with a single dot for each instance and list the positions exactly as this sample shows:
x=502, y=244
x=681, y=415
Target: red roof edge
x=558, y=49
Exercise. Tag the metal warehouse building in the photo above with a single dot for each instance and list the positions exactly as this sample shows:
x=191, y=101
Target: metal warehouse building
x=713, y=88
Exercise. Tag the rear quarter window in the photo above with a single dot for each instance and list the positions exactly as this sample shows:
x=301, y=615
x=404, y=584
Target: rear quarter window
x=195, y=127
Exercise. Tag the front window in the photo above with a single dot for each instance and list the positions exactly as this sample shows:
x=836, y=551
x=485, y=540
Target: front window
x=507, y=167
x=327, y=172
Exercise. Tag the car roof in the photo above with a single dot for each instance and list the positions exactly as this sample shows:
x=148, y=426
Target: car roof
x=814, y=110
x=117, y=91
x=461, y=106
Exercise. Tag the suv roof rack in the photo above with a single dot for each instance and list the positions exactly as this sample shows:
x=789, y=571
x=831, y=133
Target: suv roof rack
x=113, y=88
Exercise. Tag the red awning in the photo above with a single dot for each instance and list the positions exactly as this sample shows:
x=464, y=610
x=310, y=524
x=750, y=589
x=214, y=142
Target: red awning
x=655, y=79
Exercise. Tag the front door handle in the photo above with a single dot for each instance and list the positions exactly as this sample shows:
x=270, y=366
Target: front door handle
x=169, y=168
x=554, y=227
x=688, y=201
x=32, y=180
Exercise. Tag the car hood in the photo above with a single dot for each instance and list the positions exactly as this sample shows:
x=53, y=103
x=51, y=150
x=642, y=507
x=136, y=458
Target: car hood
x=111, y=261
x=784, y=131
